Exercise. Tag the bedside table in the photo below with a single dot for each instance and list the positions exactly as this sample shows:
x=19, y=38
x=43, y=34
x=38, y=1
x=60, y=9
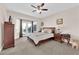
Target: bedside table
x=58, y=37
x=66, y=36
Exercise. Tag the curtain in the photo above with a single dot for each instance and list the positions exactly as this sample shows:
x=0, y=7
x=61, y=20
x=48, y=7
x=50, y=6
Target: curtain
x=20, y=28
x=32, y=26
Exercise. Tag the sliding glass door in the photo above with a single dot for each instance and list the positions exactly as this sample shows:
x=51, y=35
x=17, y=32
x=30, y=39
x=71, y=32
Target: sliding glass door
x=28, y=27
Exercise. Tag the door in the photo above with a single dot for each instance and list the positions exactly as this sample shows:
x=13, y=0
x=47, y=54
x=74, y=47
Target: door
x=26, y=28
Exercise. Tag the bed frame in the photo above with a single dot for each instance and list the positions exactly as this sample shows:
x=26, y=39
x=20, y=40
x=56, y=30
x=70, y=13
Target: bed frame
x=40, y=42
x=45, y=40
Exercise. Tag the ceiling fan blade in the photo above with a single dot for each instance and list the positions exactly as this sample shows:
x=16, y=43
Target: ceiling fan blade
x=44, y=9
x=33, y=6
x=42, y=4
x=33, y=10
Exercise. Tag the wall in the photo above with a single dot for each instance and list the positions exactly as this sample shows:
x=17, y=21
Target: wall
x=39, y=24
x=71, y=21
x=16, y=29
x=3, y=17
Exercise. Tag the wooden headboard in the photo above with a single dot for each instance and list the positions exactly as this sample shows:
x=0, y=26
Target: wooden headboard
x=52, y=28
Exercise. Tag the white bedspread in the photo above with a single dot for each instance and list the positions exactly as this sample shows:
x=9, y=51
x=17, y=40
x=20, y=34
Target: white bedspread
x=38, y=36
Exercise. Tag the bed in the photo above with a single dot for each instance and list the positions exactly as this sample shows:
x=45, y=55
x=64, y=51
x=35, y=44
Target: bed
x=40, y=37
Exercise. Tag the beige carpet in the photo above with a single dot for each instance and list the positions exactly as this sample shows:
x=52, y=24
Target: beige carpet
x=25, y=47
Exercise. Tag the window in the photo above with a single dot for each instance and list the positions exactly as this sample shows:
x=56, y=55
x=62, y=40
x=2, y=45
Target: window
x=23, y=28
x=29, y=27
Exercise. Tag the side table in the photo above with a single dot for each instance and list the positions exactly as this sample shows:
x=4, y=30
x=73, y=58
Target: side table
x=66, y=36
x=58, y=37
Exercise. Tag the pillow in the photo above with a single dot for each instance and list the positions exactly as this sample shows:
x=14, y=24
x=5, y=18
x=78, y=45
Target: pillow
x=44, y=30
x=49, y=30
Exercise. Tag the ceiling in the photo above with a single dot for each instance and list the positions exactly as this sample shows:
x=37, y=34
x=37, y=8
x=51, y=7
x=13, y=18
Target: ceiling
x=26, y=8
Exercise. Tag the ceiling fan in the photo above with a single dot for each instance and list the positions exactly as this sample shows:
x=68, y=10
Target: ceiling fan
x=39, y=8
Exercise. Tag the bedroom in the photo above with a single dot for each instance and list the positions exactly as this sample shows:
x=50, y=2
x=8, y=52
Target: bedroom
x=68, y=12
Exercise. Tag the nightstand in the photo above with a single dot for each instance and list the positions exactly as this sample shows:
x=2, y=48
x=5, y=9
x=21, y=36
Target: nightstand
x=66, y=36
x=58, y=37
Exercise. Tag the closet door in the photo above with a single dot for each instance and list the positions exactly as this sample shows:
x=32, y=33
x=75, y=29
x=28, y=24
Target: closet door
x=8, y=35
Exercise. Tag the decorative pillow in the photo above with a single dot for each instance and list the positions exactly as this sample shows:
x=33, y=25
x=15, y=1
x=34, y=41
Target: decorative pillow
x=49, y=30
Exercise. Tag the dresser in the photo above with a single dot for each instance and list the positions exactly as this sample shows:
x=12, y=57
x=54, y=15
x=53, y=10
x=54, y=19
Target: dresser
x=8, y=35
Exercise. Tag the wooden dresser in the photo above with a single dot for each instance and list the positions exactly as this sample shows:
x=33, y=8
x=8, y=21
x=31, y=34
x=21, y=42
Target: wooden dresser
x=8, y=35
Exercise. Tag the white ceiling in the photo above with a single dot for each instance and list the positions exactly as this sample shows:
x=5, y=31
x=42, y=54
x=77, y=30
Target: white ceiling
x=26, y=8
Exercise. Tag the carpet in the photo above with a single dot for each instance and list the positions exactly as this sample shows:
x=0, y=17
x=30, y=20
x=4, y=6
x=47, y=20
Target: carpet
x=25, y=47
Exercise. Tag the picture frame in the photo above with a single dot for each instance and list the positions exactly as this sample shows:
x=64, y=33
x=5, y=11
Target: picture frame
x=59, y=21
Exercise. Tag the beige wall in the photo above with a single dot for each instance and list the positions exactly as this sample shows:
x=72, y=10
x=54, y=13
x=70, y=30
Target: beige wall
x=3, y=17
x=71, y=21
